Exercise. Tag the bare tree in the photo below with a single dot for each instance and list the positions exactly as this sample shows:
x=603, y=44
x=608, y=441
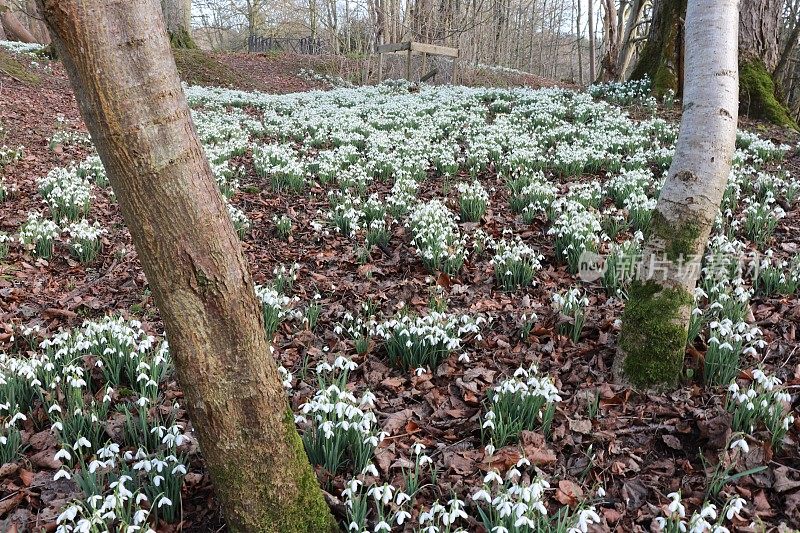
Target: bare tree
x=119, y=62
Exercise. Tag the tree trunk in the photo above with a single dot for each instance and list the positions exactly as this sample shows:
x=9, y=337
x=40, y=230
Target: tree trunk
x=759, y=52
x=178, y=18
x=627, y=48
x=592, y=51
x=36, y=24
x=788, y=48
x=610, y=42
x=662, y=57
x=119, y=62
x=13, y=28
x=655, y=322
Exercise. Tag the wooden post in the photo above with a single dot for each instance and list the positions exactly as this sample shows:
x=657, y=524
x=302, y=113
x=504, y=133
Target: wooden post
x=454, y=79
x=380, y=67
x=424, y=67
x=408, y=65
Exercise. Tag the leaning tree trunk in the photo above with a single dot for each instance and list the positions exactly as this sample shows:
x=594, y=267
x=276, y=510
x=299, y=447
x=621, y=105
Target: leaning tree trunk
x=759, y=53
x=627, y=47
x=12, y=27
x=119, y=62
x=656, y=319
x=178, y=17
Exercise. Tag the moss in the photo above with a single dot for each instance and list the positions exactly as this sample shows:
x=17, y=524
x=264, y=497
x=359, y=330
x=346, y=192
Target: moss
x=660, y=57
x=653, y=336
x=680, y=240
x=757, y=95
x=197, y=67
x=308, y=512
x=182, y=39
x=13, y=68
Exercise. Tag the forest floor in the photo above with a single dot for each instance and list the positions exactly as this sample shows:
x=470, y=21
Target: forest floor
x=638, y=446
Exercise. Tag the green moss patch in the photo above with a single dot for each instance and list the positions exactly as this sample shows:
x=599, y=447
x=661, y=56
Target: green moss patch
x=680, y=240
x=197, y=67
x=182, y=39
x=757, y=96
x=13, y=68
x=653, y=336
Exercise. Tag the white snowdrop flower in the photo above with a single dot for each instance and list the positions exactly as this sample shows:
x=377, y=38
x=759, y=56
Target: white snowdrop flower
x=62, y=454
x=371, y=470
x=735, y=506
x=164, y=501
x=492, y=476
x=482, y=495
x=62, y=473
x=740, y=444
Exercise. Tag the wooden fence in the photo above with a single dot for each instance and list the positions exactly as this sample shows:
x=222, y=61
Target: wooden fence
x=303, y=45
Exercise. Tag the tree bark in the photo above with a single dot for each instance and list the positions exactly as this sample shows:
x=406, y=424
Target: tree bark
x=126, y=83
x=592, y=51
x=656, y=318
x=178, y=18
x=36, y=24
x=610, y=42
x=759, y=52
x=626, y=49
x=662, y=57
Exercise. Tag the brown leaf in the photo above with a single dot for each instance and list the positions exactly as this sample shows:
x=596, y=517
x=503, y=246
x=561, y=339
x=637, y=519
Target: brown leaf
x=672, y=441
x=782, y=481
x=582, y=426
x=569, y=492
x=8, y=504
x=26, y=476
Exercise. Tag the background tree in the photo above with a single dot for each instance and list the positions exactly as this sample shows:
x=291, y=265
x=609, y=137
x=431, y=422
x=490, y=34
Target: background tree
x=11, y=27
x=759, y=53
x=119, y=62
x=178, y=18
x=656, y=317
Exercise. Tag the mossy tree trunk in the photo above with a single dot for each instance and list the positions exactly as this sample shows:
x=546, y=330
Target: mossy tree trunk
x=759, y=53
x=662, y=57
x=655, y=322
x=120, y=64
x=178, y=18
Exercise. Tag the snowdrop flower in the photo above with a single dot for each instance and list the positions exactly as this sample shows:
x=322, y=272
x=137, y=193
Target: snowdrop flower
x=62, y=473
x=740, y=444
x=62, y=454
x=734, y=507
x=676, y=506
x=402, y=516
x=492, y=476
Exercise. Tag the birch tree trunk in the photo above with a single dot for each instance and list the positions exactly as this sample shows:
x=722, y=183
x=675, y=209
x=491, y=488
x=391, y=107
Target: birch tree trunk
x=655, y=322
x=120, y=64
